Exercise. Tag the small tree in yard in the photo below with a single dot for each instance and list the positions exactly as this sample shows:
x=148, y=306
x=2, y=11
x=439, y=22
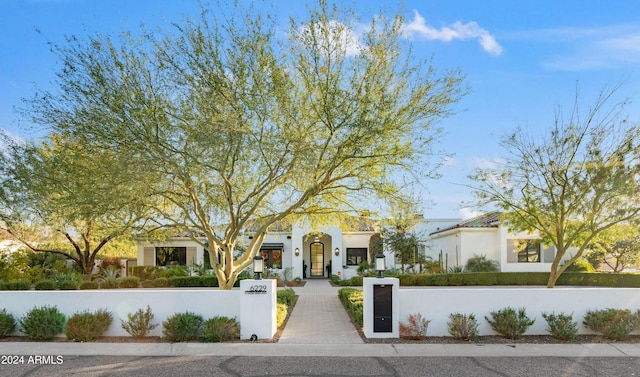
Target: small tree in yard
x=618, y=247
x=242, y=126
x=571, y=183
x=64, y=197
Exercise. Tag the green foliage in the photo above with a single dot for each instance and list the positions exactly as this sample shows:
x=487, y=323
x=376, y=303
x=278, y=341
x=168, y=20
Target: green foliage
x=86, y=326
x=139, y=323
x=173, y=271
x=415, y=328
x=17, y=285
x=42, y=323
x=580, y=265
x=45, y=285
x=182, y=327
x=286, y=296
x=281, y=314
x=129, y=282
x=250, y=95
x=569, y=182
x=110, y=283
x=7, y=323
x=480, y=263
x=366, y=269
x=376, y=245
x=618, y=247
x=509, y=322
x=193, y=281
x=463, y=326
x=561, y=325
x=67, y=281
x=615, y=324
x=352, y=299
x=89, y=285
x=220, y=329
x=145, y=272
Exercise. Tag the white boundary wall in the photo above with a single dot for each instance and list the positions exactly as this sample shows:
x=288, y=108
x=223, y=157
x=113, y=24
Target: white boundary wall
x=163, y=303
x=436, y=304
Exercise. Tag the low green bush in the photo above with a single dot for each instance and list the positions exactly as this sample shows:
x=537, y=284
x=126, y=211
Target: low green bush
x=67, y=281
x=193, y=281
x=220, y=329
x=173, y=271
x=89, y=285
x=45, y=285
x=86, y=326
x=42, y=323
x=463, y=326
x=480, y=263
x=356, y=281
x=281, y=314
x=17, y=285
x=7, y=323
x=182, y=327
x=286, y=296
x=615, y=324
x=352, y=299
x=110, y=283
x=509, y=322
x=561, y=325
x=129, y=282
x=145, y=272
x=138, y=324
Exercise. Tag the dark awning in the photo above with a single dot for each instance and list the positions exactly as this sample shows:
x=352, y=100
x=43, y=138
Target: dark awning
x=272, y=246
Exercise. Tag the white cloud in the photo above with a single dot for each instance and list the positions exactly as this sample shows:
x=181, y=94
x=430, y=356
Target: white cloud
x=339, y=38
x=471, y=30
x=468, y=213
x=449, y=161
x=485, y=163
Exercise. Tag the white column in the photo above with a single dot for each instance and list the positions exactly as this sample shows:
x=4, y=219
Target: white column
x=258, y=308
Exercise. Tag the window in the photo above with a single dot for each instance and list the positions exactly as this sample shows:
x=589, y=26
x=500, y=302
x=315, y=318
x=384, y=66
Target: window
x=272, y=257
x=528, y=251
x=356, y=255
x=171, y=256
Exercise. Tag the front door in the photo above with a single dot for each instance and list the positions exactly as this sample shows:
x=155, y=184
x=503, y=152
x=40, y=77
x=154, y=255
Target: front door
x=317, y=259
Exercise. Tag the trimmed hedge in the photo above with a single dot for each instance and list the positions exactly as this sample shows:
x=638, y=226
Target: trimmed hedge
x=597, y=279
x=352, y=299
x=193, y=281
x=16, y=285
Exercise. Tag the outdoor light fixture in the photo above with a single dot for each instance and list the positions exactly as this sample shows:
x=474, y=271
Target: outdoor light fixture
x=337, y=251
x=297, y=251
x=258, y=266
x=380, y=267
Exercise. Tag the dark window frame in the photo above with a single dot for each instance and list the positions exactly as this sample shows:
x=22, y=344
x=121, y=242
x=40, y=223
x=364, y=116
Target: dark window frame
x=359, y=257
x=172, y=255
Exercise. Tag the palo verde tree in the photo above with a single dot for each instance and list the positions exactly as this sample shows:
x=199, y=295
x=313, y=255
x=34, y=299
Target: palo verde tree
x=571, y=182
x=246, y=126
x=618, y=247
x=62, y=197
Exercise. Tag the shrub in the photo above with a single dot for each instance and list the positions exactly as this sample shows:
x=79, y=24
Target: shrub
x=281, y=314
x=129, y=282
x=7, y=323
x=110, y=283
x=173, y=271
x=88, y=285
x=67, y=281
x=42, y=323
x=463, y=326
x=509, y=322
x=352, y=300
x=356, y=281
x=45, y=285
x=17, y=285
x=86, y=326
x=561, y=325
x=615, y=324
x=139, y=324
x=145, y=272
x=286, y=296
x=220, y=329
x=480, y=263
x=182, y=327
x=416, y=328
x=580, y=265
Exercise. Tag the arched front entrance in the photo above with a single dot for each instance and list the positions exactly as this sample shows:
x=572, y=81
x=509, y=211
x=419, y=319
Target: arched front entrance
x=317, y=259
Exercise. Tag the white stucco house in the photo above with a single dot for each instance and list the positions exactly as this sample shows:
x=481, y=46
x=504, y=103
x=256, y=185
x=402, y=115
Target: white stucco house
x=294, y=246
x=326, y=250
x=485, y=235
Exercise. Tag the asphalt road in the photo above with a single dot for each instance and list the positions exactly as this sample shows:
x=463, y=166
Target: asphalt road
x=193, y=366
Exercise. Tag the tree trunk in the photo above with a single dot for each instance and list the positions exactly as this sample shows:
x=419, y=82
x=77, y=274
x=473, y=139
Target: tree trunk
x=553, y=277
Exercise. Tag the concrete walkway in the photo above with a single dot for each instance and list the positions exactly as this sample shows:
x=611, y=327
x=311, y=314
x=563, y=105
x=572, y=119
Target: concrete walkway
x=319, y=317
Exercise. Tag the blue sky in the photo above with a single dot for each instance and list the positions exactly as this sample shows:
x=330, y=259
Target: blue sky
x=522, y=60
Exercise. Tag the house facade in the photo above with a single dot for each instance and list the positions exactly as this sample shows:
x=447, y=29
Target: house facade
x=309, y=252
x=485, y=235
x=319, y=252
